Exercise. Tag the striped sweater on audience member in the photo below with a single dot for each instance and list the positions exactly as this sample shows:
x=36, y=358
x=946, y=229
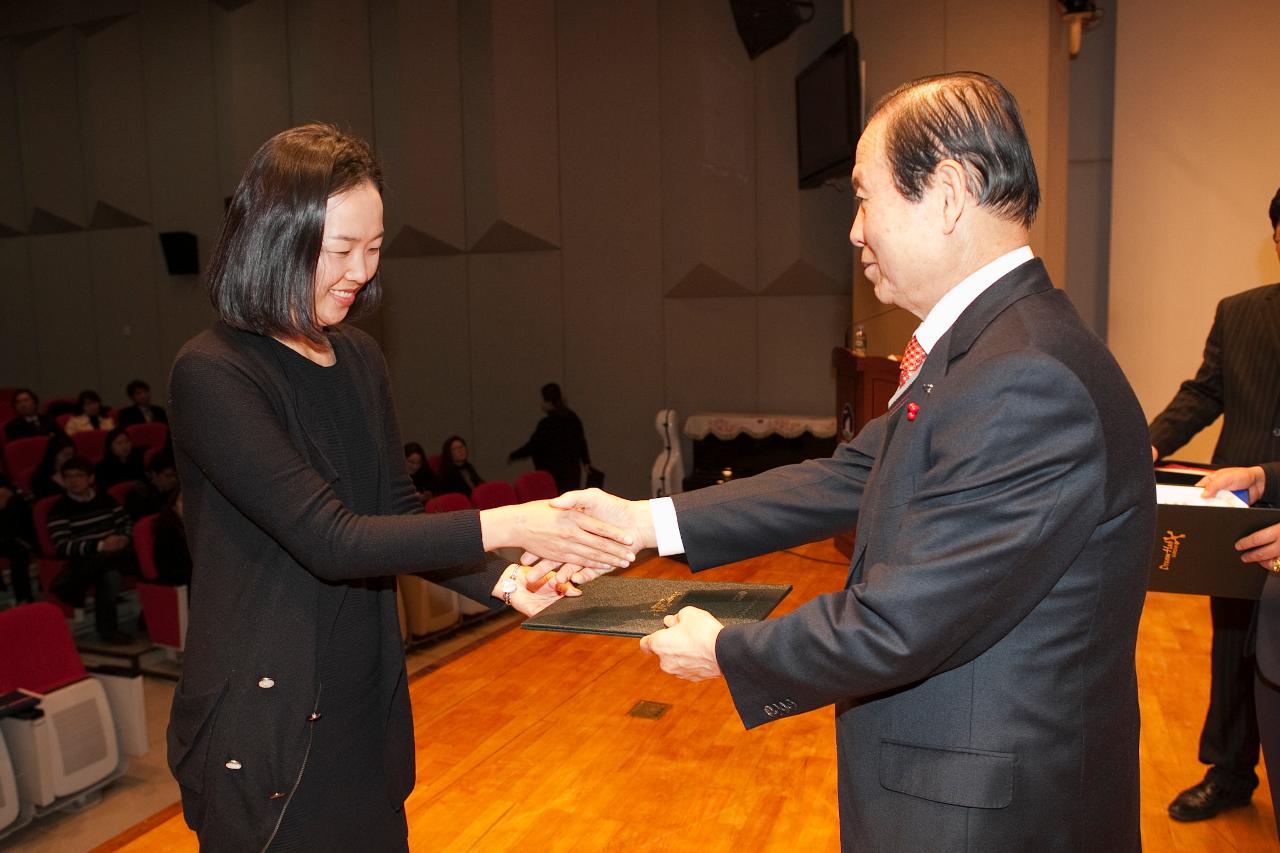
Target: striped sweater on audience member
x=76, y=527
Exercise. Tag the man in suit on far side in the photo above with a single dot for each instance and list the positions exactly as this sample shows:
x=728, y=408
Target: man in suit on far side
x=1239, y=378
x=981, y=657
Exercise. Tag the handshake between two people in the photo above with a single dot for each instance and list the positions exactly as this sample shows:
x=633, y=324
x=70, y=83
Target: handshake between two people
x=575, y=538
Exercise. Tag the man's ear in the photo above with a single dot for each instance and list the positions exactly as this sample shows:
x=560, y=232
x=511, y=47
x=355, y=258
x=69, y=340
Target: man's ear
x=950, y=178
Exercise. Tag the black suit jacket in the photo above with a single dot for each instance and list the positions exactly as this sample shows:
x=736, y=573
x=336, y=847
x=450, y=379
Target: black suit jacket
x=981, y=656
x=1268, y=638
x=1239, y=378
x=130, y=415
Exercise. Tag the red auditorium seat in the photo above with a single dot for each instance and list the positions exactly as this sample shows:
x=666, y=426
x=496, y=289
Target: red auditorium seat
x=493, y=494
x=118, y=491
x=433, y=462
x=61, y=406
x=21, y=457
x=536, y=486
x=154, y=434
x=91, y=444
x=88, y=726
x=164, y=606
x=48, y=563
x=449, y=502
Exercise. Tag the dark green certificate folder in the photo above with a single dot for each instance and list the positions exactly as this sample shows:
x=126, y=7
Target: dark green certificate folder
x=634, y=607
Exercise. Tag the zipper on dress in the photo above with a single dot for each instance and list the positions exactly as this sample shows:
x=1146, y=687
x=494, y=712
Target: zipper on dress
x=311, y=733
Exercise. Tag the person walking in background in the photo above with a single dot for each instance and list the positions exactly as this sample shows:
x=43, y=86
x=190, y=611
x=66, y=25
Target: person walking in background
x=558, y=444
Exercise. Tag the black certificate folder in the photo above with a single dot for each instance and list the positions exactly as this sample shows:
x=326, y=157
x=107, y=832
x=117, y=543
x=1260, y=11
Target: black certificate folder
x=1195, y=551
x=634, y=607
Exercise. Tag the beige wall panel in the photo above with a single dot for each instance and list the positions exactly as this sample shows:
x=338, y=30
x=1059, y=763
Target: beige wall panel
x=20, y=356
x=509, y=122
x=15, y=212
x=125, y=315
x=794, y=226
x=251, y=65
x=1188, y=130
x=65, y=325
x=711, y=356
x=114, y=123
x=427, y=342
x=708, y=145
x=418, y=116
x=49, y=126
x=608, y=96
x=26, y=16
x=796, y=337
x=182, y=159
x=329, y=71
x=517, y=329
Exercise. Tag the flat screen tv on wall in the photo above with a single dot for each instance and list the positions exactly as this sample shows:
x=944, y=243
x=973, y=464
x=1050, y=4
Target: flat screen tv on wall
x=828, y=113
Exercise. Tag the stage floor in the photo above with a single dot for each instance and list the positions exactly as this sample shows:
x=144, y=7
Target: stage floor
x=526, y=741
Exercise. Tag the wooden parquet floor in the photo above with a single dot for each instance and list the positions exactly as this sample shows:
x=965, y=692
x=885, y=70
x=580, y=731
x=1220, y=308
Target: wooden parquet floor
x=525, y=742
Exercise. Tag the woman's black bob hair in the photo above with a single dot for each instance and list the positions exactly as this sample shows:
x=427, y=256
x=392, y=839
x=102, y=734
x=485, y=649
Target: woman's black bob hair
x=261, y=277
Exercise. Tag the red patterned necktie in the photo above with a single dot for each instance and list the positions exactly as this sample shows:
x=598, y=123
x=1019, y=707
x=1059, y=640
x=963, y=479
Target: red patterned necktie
x=912, y=358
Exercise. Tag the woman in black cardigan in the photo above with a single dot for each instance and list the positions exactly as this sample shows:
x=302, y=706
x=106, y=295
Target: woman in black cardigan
x=291, y=727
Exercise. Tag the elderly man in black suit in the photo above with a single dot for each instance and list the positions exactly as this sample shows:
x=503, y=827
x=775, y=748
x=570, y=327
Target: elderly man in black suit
x=1239, y=379
x=27, y=422
x=981, y=656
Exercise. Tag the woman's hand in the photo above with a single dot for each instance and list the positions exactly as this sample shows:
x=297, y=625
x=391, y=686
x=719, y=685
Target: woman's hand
x=560, y=535
x=532, y=591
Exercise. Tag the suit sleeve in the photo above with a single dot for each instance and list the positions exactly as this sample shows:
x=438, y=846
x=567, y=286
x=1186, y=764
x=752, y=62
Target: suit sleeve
x=1271, y=489
x=1012, y=493
x=1198, y=401
x=224, y=422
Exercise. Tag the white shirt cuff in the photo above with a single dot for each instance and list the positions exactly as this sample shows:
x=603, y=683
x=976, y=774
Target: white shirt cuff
x=665, y=527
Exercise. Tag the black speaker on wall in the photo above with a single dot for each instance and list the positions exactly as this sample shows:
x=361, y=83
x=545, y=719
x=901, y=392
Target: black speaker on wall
x=180, y=254
x=764, y=23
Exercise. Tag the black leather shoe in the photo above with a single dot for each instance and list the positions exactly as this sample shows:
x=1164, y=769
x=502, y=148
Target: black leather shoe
x=1203, y=801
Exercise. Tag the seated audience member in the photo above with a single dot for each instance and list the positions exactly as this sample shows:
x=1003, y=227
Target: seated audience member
x=169, y=549
x=17, y=539
x=27, y=421
x=141, y=412
x=93, y=533
x=419, y=470
x=46, y=480
x=88, y=415
x=150, y=495
x=121, y=461
x=456, y=473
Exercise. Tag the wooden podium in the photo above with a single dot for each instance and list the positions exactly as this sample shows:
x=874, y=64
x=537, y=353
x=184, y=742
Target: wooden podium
x=864, y=386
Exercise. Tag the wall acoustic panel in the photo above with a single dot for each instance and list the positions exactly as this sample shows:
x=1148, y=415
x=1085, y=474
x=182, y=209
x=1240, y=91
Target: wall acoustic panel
x=517, y=326
x=796, y=337
x=708, y=152
x=177, y=62
x=418, y=120
x=329, y=73
x=612, y=231
x=14, y=212
x=711, y=355
x=427, y=342
x=20, y=356
x=49, y=128
x=251, y=82
x=509, y=125
x=125, y=315
x=113, y=121
x=63, y=302
x=801, y=235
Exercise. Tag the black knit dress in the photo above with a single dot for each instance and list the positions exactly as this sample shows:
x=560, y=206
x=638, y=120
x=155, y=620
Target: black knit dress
x=342, y=802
